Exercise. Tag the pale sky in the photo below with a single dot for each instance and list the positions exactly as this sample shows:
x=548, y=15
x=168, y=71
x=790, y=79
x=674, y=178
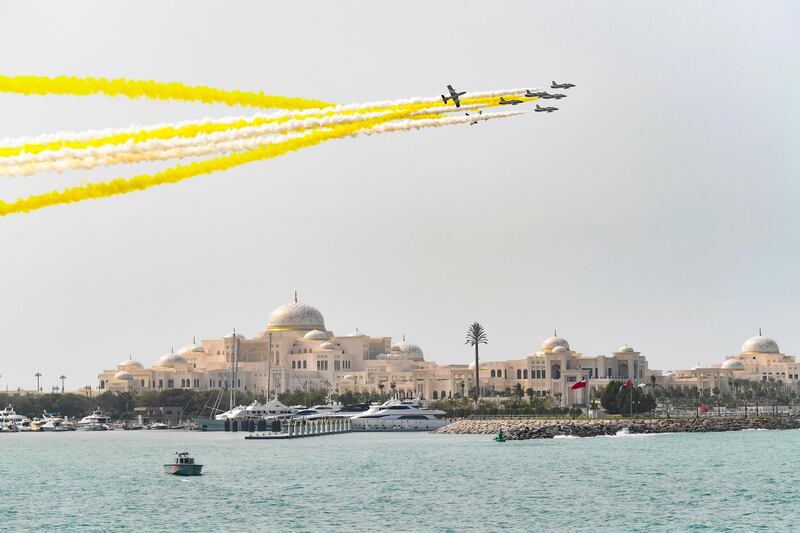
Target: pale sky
x=658, y=207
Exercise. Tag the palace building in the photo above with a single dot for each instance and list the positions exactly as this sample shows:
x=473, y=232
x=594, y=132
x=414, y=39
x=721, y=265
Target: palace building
x=296, y=351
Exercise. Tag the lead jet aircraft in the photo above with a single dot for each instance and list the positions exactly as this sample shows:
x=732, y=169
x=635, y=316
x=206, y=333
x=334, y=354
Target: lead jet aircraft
x=454, y=96
x=561, y=85
x=513, y=101
x=539, y=94
x=545, y=109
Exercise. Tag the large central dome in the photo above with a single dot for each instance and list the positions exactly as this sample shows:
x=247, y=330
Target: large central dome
x=760, y=344
x=295, y=316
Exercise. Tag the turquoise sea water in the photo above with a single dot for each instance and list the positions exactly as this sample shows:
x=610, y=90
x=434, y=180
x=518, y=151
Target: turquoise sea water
x=113, y=481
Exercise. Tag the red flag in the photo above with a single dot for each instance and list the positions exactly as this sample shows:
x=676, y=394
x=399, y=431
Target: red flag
x=628, y=384
x=579, y=385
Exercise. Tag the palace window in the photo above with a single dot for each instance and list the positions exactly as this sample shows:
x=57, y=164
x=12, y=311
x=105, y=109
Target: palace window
x=491, y=374
x=170, y=383
x=519, y=374
x=525, y=374
x=160, y=383
x=305, y=364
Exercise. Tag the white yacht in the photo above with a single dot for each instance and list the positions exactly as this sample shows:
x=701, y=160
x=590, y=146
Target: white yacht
x=48, y=422
x=11, y=421
x=241, y=414
x=96, y=421
x=398, y=415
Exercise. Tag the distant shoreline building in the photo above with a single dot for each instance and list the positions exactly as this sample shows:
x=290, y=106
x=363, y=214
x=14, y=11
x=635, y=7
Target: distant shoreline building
x=304, y=355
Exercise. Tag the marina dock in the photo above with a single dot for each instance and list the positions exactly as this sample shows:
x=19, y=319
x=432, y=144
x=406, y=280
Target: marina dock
x=298, y=429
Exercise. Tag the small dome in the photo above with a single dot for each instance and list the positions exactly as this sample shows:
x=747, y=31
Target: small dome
x=233, y=334
x=559, y=349
x=406, y=347
x=129, y=364
x=295, y=316
x=190, y=349
x=760, y=344
x=171, y=359
x=316, y=335
x=625, y=349
x=472, y=366
x=669, y=373
x=551, y=342
x=327, y=346
x=382, y=356
x=123, y=375
x=695, y=368
x=733, y=364
x=348, y=376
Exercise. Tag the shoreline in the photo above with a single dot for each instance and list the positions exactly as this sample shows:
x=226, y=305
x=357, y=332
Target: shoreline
x=526, y=429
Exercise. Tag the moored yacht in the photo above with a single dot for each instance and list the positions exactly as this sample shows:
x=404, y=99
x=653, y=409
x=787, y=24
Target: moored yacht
x=244, y=414
x=95, y=421
x=399, y=415
x=11, y=421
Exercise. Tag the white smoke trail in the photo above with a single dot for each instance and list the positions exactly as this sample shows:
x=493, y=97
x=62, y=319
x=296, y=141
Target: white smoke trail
x=64, y=136
x=220, y=142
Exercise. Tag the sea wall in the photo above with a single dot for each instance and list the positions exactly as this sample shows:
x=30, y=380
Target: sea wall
x=523, y=429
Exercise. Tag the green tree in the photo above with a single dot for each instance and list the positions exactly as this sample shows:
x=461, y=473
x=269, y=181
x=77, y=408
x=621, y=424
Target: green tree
x=476, y=336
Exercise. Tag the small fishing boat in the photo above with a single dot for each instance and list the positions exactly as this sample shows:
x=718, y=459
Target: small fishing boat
x=184, y=465
x=500, y=437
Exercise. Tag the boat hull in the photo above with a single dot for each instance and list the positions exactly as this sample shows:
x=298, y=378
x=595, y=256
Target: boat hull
x=183, y=470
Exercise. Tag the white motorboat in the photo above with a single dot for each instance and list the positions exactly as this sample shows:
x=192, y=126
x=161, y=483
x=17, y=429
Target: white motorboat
x=49, y=422
x=95, y=421
x=244, y=414
x=398, y=415
x=158, y=425
x=11, y=421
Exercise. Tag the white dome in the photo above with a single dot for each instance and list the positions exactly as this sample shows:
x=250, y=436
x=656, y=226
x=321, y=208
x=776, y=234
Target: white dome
x=551, y=342
x=171, y=359
x=382, y=356
x=123, y=375
x=695, y=368
x=316, y=335
x=559, y=349
x=191, y=348
x=760, y=344
x=472, y=366
x=129, y=364
x=233, y=334
x=327, y=346
x=295, y=316
x=406, y=347
x=733, y=364
x=356, y=333
x=349, y=376
x=625, y=349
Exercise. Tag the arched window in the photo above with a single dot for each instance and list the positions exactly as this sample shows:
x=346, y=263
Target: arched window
x=491, y=374
x=555, y=371
x=499, y=373
x=435, y=395
x=305, y=365
x=519, y=374
x=525, y=374
x=444, y=395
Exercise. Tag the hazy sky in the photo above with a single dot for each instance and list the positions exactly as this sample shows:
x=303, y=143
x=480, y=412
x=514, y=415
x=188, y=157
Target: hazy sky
x=658, y=208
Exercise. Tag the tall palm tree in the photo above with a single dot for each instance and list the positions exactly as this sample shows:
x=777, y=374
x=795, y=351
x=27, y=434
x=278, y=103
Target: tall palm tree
x=62, y=377
x=38, y=375
x=476, y=335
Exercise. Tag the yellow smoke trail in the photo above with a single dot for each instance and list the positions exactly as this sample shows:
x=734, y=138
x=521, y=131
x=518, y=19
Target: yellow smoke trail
x=192, y=129
x=182, y=172
x=70, y=85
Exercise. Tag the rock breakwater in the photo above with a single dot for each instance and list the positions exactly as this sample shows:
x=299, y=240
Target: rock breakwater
x=523, y=429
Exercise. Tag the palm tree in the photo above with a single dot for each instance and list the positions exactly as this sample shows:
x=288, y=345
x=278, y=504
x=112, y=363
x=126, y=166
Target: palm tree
x=381, y=386
x=38, y=375
x=62, y=377
x=476, y=335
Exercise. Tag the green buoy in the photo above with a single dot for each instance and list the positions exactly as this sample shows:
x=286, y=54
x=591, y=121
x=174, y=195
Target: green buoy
x=500, y=437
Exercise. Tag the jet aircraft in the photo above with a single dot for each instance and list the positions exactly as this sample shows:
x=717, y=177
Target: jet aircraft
x=561, y=85
x=454, y=96
x=513, y=101
x=475, y=121
x=545, y=109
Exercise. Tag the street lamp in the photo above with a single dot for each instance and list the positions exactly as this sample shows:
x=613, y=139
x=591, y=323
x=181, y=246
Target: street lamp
x=38, y=375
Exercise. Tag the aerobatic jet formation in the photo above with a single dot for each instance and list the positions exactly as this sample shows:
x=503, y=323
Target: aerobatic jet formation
x=454, y=96
x=545, y=109
x=561, y=85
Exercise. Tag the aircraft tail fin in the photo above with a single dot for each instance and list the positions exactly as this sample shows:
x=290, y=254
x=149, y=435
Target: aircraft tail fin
x=444, y=99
